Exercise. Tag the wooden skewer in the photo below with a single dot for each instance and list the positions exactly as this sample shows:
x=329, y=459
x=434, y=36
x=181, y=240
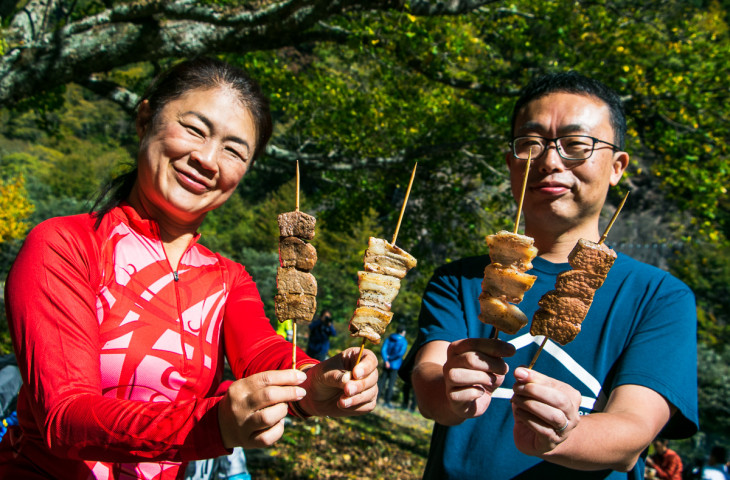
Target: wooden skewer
x=297, y=205
x=613, y=219
x=522, y=196
x=403, y=208
x=362, y=347
x=395, y=236
x=537, y=354
x=603, y=239
x=294, y=322
x=294, y=343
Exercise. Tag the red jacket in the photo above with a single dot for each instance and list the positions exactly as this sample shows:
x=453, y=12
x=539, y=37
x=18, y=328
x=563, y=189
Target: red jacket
x=121, y=356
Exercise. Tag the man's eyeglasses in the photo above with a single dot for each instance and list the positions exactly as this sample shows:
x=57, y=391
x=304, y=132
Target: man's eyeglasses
x=569, y=147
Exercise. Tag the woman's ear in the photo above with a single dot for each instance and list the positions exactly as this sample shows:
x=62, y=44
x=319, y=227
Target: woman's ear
x=144, y=116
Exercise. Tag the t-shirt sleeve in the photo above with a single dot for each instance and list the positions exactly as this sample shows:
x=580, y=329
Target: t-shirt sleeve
x=662, y=354
x=441, y=317
x=252, y=345
x=51, y=305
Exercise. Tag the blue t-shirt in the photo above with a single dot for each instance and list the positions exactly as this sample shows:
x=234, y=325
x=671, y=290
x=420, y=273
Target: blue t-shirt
x=640, y=329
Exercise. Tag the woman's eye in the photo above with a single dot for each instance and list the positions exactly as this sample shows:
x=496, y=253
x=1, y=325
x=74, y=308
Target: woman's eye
x=194, y=130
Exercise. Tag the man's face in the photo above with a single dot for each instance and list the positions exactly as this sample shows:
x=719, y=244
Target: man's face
x=562, y=195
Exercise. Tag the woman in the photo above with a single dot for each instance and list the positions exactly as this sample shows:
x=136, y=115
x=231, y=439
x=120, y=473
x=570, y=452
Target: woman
x=120, y=319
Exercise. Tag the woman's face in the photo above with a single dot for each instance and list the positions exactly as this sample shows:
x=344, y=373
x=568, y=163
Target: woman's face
x=194, y=155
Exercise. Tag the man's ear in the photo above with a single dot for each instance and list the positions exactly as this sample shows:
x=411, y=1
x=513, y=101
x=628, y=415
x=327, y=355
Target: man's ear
x=620, y=162
x=144, y=116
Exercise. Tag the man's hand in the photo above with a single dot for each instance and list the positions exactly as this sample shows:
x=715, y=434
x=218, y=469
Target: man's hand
x=474, y=368
x=252, y=411
x=335, y=389
x=545, y=411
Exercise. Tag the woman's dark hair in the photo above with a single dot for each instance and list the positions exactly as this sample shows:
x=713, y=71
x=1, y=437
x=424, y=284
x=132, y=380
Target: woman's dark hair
x=198, y=73
x=574, y=82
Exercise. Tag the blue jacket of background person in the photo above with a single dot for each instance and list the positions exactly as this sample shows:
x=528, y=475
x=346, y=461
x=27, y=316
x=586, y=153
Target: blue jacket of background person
x=393, y=349
x=319, y=337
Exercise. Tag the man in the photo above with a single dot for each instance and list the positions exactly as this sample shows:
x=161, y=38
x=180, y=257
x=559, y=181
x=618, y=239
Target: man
x=393, y=349
x=588, y=409
x=320, y=332
x=666, y=463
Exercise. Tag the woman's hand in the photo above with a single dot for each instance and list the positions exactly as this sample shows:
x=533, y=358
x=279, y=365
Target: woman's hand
x=252, y=411
x=545, y=411
x=335, y=389
x=474, y=368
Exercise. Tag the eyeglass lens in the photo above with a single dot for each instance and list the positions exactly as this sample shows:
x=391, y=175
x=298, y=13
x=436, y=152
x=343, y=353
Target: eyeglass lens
x=571, y=147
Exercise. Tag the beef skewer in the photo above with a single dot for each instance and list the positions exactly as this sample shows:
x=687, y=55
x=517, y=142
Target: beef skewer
x=296, y=287
x=562, y=310
x=505, y=281
x=384, y=265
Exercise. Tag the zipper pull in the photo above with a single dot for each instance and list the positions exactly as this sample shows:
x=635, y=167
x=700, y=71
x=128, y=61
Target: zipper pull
x=174, y=274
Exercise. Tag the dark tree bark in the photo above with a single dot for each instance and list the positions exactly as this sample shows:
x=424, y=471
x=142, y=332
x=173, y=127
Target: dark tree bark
x=47, y=47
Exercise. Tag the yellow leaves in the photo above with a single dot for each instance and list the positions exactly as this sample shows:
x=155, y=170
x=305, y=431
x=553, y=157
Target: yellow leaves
x=619, y=49
x=15, y=208
x=346, y=457
x=626, y=68
x=412, y=18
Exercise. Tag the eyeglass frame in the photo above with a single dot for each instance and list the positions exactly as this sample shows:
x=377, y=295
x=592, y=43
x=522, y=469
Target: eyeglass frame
x=558, y=148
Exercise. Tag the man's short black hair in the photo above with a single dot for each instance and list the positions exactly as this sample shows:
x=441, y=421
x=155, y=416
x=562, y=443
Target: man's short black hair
x=574, y=82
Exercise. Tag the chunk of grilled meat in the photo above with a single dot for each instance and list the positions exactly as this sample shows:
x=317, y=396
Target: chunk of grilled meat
x=382, y=257
x=299, y=307
x=506, y=282
x=291, y=280
x=294, y=252
x=296, y=224
x=377, y=290
x=507, y=248
x=369, y=323
x=503, y=315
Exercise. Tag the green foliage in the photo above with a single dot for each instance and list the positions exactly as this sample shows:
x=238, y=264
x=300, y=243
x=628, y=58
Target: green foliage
x=14, y=209
x=714, y=390
x=705, y=268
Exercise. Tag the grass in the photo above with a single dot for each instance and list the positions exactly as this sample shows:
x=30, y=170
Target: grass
x=386, y=444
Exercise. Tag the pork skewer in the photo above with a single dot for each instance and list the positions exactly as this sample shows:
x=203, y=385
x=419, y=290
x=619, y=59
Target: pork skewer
x=505, y=281
x=563, y=310
x=384, y=264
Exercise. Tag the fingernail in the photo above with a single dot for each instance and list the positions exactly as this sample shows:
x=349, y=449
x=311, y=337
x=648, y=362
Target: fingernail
x=346, y=377
x=301, y=376
x=346, y=403
x=301, y=393
x=521, y=373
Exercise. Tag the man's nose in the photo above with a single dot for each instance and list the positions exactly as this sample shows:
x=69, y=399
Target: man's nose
x=550, y=160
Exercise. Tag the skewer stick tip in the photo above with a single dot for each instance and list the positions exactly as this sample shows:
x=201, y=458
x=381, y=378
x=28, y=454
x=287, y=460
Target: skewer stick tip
x=405, y=200
x=522, y=194
x=613, y=219
x=297, y=183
